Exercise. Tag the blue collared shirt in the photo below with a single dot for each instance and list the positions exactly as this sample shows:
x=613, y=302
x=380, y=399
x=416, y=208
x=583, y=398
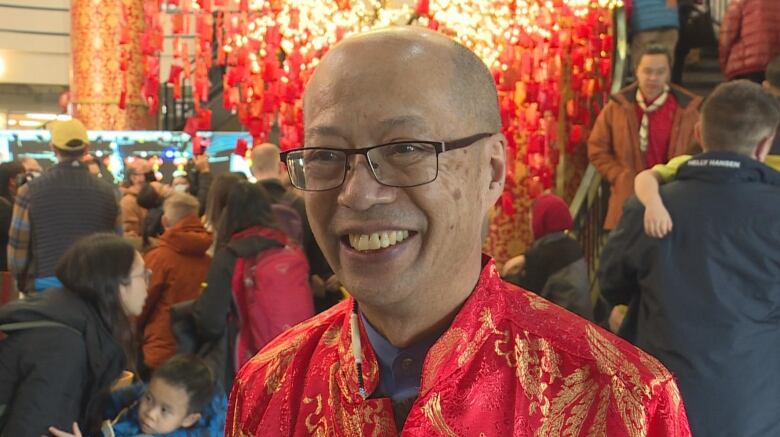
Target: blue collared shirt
x=400, y=370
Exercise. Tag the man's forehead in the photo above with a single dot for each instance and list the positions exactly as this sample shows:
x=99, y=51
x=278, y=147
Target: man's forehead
x=654, y=60
x=382, y=125
x=377, y=64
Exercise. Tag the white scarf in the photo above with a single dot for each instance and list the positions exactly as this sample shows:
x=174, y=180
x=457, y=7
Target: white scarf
x=644, y=128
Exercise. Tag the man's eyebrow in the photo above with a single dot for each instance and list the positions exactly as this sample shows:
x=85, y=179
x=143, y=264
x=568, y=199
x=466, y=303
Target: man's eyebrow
x=403, y=121
x=326, y=131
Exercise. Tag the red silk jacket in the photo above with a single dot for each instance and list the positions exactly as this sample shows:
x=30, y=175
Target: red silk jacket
x=511, y=363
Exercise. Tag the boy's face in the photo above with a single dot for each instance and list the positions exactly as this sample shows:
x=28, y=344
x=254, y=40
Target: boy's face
x=164, y=408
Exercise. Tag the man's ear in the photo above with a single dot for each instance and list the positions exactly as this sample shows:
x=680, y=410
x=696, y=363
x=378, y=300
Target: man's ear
x=762, y=150
x=165, y=222
x=496, y=151
x=190, y=420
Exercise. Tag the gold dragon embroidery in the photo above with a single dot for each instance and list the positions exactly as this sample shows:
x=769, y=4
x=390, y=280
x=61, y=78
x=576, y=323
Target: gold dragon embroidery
x=432, y=411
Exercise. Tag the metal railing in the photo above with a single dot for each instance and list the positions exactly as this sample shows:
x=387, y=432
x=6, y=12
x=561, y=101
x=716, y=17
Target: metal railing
x=588, y=209
x=590, y=203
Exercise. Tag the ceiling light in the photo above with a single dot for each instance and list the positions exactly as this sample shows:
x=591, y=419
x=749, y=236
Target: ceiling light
x=44, y=117
x=12, y=122
x=29, y=123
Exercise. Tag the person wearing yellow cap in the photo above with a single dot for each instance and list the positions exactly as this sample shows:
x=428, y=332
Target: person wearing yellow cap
x=54, y=210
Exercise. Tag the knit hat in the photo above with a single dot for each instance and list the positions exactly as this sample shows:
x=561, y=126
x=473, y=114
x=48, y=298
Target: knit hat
x=550, y=214
x=63, y=132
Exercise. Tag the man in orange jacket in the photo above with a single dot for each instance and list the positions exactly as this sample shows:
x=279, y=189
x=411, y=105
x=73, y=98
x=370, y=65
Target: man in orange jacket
x=646, y=123
x=178, y=267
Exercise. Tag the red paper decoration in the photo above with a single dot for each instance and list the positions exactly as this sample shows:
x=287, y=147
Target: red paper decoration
x=241, y=147
x=550, y=60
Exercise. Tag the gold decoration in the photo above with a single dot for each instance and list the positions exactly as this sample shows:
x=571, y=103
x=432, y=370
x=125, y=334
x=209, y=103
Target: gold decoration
x=432, y=411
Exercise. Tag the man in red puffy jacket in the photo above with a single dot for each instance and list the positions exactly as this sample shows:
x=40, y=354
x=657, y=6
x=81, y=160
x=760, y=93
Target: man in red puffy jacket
x=749, y=38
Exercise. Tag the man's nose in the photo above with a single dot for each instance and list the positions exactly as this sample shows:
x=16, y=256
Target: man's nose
x=361, y=190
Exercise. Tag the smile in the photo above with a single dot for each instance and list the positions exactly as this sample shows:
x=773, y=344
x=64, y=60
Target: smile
x=377, y=240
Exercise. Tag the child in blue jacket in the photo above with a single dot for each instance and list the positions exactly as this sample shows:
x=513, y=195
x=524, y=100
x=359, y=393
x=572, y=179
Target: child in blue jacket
x=181, y=400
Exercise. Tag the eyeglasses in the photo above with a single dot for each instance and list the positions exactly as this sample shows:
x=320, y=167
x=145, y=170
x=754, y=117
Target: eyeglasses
x=397, y=164
x=146, y=275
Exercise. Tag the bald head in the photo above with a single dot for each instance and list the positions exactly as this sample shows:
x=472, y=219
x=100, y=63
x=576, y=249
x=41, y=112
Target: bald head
x=404, y=89
x=265, y=162
x=410, y=57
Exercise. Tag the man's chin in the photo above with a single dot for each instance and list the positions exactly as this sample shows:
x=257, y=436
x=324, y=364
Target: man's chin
x=377, y=292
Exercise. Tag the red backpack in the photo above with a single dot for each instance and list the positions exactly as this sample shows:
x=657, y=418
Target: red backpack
x=271, y=292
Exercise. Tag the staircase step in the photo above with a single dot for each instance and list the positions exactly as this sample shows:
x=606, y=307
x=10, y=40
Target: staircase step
x=714, y=77
x=705, y=65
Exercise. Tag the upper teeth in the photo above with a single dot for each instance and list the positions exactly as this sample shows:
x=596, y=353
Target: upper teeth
x=377, y=240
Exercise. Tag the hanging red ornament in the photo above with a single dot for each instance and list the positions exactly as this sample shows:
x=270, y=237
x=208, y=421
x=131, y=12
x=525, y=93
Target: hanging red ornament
x=122, y=99
x=174, y=76
x=191, y=126
x=241, y=147
x=423, y=8
x=204, y=119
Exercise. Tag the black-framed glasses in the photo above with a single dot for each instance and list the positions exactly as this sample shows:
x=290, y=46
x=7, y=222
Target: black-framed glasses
x=146, y=275
x=397, y=164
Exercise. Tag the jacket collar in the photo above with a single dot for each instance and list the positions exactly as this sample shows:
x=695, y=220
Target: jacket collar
x=469, y=329
x=187, y=236
x=259, y=231
x=549, y=238
x=727, y=167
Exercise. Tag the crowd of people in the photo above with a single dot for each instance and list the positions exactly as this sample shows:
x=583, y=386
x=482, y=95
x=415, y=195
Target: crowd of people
x=216, y=304
x=106, y=272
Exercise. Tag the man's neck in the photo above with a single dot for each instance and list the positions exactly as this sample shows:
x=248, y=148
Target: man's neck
x=650, y=98
x=261, y=177
x=406, y=323
x=63, y=159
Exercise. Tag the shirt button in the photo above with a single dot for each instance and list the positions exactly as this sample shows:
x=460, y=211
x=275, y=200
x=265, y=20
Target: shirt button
x=406, y=364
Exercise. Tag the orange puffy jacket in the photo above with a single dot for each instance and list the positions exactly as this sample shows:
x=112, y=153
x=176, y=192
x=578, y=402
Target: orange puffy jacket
x=749, y=36
x=179, y=265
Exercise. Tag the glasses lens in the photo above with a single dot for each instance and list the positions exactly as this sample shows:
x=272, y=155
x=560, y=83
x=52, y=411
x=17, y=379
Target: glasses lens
x=316, y=169
x=404, y=164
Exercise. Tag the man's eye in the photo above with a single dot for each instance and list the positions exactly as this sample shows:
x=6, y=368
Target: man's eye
x=323, y=156
x=404, y=149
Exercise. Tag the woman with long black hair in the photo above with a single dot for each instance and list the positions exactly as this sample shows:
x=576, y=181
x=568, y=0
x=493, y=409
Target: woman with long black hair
x=246, y=302
x=66, y=346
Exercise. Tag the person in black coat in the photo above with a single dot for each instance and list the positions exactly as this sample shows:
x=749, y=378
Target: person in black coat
x=9, y=171
x=554, y=267
x=246, y=224
x=67, y=346
x=705, y=299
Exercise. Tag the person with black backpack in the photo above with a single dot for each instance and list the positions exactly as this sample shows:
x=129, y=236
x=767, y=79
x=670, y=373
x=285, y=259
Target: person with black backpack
x=65, y=347
x=257, y=286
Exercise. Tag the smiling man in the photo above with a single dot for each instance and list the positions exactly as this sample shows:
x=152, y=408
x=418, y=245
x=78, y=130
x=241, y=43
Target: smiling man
x=403, y=158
